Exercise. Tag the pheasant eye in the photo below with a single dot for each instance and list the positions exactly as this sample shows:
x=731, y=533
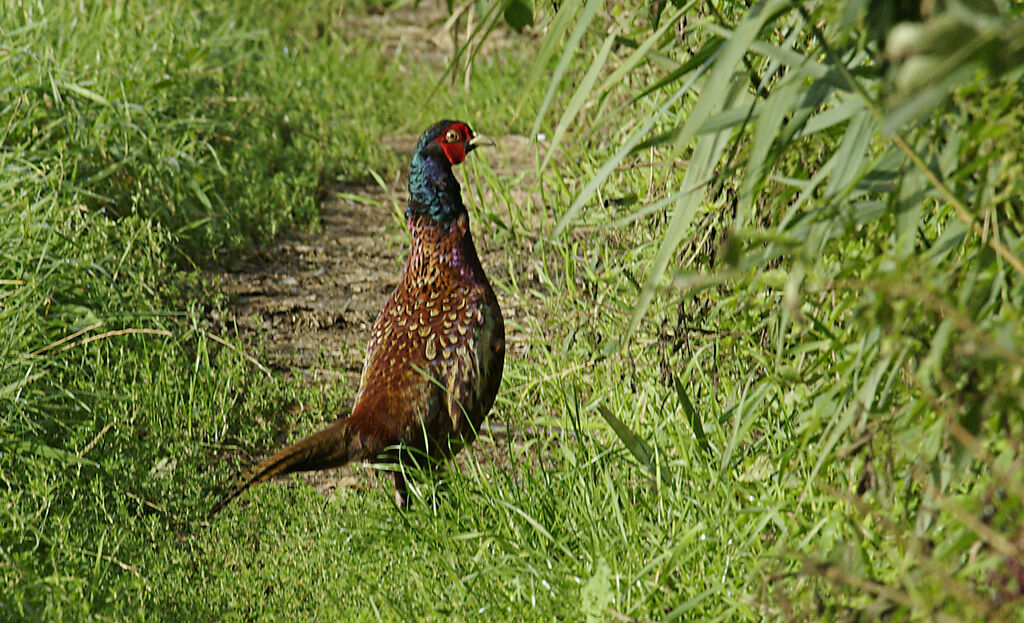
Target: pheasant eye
x=452, y=136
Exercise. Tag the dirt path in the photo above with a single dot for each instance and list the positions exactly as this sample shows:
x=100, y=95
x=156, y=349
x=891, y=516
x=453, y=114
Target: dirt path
x=308, y=301
x=312, y=297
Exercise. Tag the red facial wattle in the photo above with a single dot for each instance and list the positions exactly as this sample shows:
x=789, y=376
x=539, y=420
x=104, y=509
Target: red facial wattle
x=455, y=150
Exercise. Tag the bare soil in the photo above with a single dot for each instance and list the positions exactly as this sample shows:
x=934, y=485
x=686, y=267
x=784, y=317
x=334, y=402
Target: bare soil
x=311, y=298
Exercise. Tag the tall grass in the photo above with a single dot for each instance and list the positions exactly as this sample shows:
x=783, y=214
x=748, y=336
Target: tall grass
x=137, y=141
x=839, y=248
x=170, y=112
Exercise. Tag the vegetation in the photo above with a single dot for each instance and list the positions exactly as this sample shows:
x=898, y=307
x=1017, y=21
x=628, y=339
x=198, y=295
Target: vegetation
x=840, y=278
x=767, y=280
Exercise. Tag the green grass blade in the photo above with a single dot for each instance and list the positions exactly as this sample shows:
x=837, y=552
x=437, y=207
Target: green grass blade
x=725, y=64
x=579, y=98
x=586, y=16
x=774, y=114
x=44, y=451
x=566, y=12
x=709, y=149
x=641, y=51
x=706, y=52
x=627, y=148
x=842, y=111
x=693, y=416
x=852, y=153
x=86, y=93
x=636, y=446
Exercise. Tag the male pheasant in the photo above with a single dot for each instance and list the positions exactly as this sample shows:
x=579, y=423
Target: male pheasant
x=434, y=361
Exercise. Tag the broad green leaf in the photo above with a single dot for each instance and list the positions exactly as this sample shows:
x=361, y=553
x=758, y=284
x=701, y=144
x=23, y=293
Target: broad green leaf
x=730, y=119
x=832, y=116
x=867, y=394
x=931, y=365
x=518, y=14
x=952, y=236
x=927, y=98
x=799, y=63
x=908, y=203
x=597, y=594
x=851, y=154
x=200, y=194
x=720, y=78
x=778, y=106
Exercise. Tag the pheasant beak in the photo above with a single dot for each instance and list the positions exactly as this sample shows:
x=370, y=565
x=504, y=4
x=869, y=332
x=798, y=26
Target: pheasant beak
x=478, y=140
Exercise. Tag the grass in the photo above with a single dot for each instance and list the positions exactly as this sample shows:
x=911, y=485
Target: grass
x=816, y=416
x=813, y=314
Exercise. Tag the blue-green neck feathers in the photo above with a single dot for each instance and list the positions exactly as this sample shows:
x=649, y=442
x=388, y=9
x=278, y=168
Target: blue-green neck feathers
x=433, y=189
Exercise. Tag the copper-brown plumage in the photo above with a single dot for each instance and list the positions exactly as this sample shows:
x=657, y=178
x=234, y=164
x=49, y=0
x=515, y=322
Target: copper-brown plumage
x=435, y=357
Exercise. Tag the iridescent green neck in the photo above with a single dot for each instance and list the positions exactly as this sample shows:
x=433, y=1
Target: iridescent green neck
x=433, y=189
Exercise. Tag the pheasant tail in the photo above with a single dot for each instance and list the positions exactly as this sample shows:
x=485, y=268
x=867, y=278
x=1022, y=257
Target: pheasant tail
x=334, y=446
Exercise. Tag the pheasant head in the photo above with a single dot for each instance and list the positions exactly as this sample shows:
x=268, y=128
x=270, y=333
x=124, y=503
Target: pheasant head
x=433, y=189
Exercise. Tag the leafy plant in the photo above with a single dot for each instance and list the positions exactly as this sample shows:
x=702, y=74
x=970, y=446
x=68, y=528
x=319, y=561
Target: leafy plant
x=863, y=200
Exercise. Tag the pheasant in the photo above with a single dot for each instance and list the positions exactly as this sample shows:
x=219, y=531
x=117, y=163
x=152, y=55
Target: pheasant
x=435, y=357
